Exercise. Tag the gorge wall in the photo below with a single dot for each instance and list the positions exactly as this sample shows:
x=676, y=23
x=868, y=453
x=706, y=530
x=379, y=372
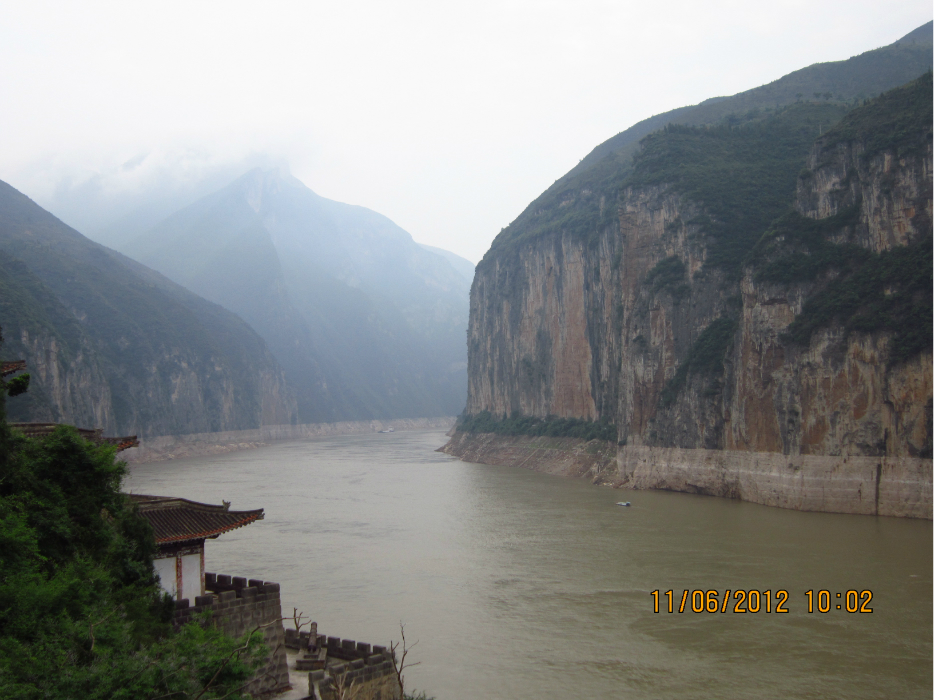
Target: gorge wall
x=702, y=366
x=111, y=344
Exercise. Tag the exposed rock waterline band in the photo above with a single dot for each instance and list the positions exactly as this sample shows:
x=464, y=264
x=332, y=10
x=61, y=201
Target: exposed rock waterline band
x=893, y=486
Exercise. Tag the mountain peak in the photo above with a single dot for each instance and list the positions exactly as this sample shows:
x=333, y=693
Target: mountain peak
x=259, y=183
x=922, y=35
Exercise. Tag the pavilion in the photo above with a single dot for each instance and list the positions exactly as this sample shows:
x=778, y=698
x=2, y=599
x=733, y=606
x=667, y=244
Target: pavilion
x=181, y=527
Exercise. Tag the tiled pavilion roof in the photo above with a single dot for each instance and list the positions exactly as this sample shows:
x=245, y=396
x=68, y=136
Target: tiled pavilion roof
x=176, y=520
x=11, y=366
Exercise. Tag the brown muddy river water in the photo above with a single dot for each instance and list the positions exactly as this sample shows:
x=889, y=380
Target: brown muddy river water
x=528, y=586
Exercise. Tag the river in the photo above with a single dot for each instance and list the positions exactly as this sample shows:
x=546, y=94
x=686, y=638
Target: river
x=522, y=585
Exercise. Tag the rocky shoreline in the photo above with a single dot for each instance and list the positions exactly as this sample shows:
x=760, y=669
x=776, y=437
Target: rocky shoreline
x=899, y=487
x=168, y=447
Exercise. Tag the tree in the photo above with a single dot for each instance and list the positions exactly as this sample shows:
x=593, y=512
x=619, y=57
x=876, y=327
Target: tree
x=81, y=612
x=400, y=663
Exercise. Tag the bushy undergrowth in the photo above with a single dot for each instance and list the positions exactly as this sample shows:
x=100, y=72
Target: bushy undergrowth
x=890, y=122
x=743, y=176
x=866, y=292
x=796, y=249
x=81, y=612
x=518, y=424
x=876, y=292
x=669, y=275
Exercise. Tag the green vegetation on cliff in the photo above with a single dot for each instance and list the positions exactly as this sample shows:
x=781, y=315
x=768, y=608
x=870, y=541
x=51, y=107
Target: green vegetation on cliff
x=743, y=176
x=583, y=200
x=81, y=612
x=878, y=292
x=862, y=291
x=890, y=122
x=704, y=358
x=669, y=275
x=796, y=249
x=518, y=424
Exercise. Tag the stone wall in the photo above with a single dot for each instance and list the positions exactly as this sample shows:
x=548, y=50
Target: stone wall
x=240, y=606
x=167, y=447
x=344, y=667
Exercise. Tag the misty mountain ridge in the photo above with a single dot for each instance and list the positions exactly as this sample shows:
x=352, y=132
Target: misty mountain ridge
x=462, y=265
x=117, y=204
x=366, y=322
x=110, y=343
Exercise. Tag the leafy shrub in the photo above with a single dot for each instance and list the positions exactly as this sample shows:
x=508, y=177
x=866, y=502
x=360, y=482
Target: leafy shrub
x=81, y=612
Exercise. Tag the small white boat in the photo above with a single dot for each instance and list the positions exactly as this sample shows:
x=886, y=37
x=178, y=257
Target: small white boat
x=624, y=503
x=388, y=430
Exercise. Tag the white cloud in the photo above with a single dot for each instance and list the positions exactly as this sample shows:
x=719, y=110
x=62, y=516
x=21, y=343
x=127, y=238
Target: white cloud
x=447, y=117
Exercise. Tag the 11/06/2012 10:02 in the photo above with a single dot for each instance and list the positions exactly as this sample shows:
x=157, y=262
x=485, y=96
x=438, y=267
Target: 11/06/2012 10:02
x=753, y=601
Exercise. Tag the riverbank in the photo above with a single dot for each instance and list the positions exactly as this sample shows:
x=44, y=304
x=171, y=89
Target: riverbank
x=561, y=456
x=168, y=447
x=899, y=487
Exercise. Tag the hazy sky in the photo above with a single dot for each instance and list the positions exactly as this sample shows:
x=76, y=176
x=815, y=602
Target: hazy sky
x=447, y=117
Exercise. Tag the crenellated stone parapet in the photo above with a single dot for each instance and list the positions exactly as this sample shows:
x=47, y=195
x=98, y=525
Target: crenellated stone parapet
x=239, y=605
x=343, y=667
x=336, y=667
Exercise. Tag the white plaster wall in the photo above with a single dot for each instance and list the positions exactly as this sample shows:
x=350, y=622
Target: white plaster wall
x=191, y=577
x=166, y=570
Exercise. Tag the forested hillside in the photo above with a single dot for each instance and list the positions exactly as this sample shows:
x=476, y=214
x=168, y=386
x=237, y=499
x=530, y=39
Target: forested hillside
x=366, y=322
x=114, y=345
x=573, y=202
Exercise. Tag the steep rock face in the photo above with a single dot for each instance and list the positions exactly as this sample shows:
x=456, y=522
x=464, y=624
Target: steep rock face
x=68, y=382
x=658, y=323
x=74, y=389
x=599, y=326
x=842, y=394
x=836, y=398
x=534, y=330
x=111, y=344
x=893, y=194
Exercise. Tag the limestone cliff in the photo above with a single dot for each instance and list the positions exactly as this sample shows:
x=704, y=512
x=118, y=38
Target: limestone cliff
x=702, y=337
x=111, y=344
